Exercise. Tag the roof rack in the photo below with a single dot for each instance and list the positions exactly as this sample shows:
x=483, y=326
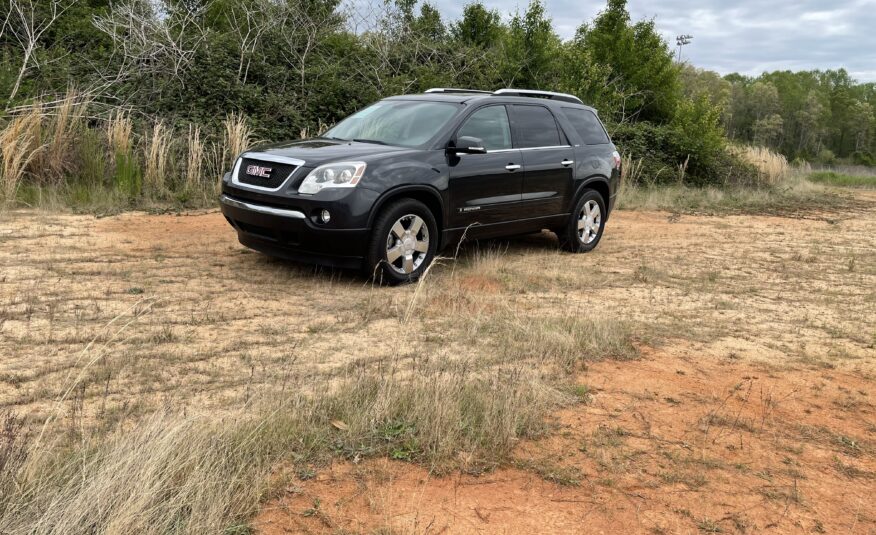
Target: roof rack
x=565, y=97
x=456, y=90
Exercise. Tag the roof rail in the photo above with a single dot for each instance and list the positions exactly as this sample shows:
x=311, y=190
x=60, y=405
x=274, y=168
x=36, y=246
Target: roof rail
x=455, y=90
x=565, y=97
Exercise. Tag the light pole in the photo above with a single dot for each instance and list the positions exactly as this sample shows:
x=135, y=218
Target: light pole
x=682, y=40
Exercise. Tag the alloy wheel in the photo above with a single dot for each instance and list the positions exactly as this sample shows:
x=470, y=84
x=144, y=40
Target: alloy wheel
x=589, y=221
x=407, y=244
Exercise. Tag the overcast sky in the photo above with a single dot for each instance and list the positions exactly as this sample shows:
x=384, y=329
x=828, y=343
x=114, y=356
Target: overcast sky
x=746, y=36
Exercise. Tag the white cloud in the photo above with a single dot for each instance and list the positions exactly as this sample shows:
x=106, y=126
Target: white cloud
x=746, y=36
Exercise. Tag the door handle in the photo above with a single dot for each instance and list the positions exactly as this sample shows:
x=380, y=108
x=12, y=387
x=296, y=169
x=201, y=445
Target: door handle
x=567, y=163
x=512, y=167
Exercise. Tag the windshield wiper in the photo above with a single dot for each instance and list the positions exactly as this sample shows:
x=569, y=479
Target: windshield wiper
x=370, y=141
x=334, y=138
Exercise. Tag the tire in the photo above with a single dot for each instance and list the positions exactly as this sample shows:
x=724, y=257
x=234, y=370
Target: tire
x=403, y=242
x=585, y=226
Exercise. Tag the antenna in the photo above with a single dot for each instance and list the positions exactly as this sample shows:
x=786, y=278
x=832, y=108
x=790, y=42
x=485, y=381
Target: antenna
x=682, y=40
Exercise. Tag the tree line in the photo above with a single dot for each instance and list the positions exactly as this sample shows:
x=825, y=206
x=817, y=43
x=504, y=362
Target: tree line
x=294, y=67
x=820, y=116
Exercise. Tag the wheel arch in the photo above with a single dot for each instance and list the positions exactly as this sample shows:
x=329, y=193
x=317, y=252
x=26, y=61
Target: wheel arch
x=597, y=183
x=425, y=194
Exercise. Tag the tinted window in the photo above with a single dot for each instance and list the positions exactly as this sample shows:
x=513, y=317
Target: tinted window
x=587, y=126
x=535, y=127
x=407, y=123
x=491, y=125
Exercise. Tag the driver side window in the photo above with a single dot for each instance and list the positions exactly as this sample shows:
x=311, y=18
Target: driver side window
x=491, y=125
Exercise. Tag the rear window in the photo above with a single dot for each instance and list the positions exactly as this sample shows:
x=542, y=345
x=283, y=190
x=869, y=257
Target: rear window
x=535, y=126
x=587, y=126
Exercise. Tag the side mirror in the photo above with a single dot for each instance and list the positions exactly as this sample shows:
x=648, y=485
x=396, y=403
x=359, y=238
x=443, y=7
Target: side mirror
x=467, y=145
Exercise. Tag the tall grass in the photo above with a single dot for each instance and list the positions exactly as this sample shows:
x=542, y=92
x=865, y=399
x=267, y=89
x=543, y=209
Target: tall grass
x=157, y=154
x=238, y=136
x=61, y=159
x=19, y=147
x=631, y=169
x=781, y=189
x=126, y=170
x=195, y=162
x=119, y=132
x=171, y=474
x=773, y=167
x=58, y=159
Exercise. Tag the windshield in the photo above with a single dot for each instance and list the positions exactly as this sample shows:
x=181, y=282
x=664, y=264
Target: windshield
x=406, y=123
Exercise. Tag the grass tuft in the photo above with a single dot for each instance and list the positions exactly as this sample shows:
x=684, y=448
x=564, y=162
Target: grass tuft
x=157, y=155
x=773, y=167
x=19, y=146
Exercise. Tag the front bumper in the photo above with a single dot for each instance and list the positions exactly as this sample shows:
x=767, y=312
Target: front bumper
x=289, y=233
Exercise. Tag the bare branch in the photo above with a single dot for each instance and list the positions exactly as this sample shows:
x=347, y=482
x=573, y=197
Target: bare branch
x=27, y=24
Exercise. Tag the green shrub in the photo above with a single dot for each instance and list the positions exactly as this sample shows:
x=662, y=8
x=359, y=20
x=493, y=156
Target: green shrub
x=863, y=158
x=826, y=156
x=697, y=134
x=663, y=148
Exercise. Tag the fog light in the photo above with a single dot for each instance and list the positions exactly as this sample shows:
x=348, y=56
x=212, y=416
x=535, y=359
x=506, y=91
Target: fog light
x=325, y=216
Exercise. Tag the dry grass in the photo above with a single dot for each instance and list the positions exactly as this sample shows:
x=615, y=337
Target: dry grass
x=195, y=163
x=119, y=132
x=157, y=154
x=205, y=468
x=238, y=136
x=631, y=170
x=171, y=474
x=773, y=167
x=57, y=159
x=19, y=146
x=796, y=194
x=200, y=474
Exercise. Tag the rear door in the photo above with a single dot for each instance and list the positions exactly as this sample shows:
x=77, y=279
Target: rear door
x=548, y=159
x=595, y=150
x=485, y=188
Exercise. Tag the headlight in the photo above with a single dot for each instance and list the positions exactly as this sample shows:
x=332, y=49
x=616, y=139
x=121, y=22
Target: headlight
x=333, y=175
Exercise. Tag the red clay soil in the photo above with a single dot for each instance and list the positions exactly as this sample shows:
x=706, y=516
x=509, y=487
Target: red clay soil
x=671, y=443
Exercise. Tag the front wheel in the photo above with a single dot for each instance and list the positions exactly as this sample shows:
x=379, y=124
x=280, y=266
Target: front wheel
x=584, y=228
x=403, y=244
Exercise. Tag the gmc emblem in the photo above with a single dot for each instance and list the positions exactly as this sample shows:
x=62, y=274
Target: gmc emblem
x=257, y=170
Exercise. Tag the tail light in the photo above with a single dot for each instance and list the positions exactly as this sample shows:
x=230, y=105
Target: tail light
x=617, y=160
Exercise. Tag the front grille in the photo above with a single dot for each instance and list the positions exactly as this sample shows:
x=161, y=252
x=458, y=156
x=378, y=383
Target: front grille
x=277, y=173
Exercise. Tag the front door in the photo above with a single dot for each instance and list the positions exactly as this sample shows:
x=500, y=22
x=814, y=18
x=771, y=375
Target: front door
x=486, y=188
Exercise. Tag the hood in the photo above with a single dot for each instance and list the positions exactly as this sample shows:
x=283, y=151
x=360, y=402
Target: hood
x=318, y=151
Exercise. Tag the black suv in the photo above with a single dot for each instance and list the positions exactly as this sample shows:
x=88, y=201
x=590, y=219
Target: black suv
x=393, y=184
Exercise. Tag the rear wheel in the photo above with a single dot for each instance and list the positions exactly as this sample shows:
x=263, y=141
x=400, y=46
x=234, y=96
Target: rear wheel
x=403, y=243
x=584, y=228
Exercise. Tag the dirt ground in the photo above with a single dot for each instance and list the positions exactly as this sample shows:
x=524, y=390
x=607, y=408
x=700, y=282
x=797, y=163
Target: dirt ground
x=672, y=443
x=751, y=408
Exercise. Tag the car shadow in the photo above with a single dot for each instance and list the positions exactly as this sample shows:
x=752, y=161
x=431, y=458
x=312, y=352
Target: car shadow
x=464, y=253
